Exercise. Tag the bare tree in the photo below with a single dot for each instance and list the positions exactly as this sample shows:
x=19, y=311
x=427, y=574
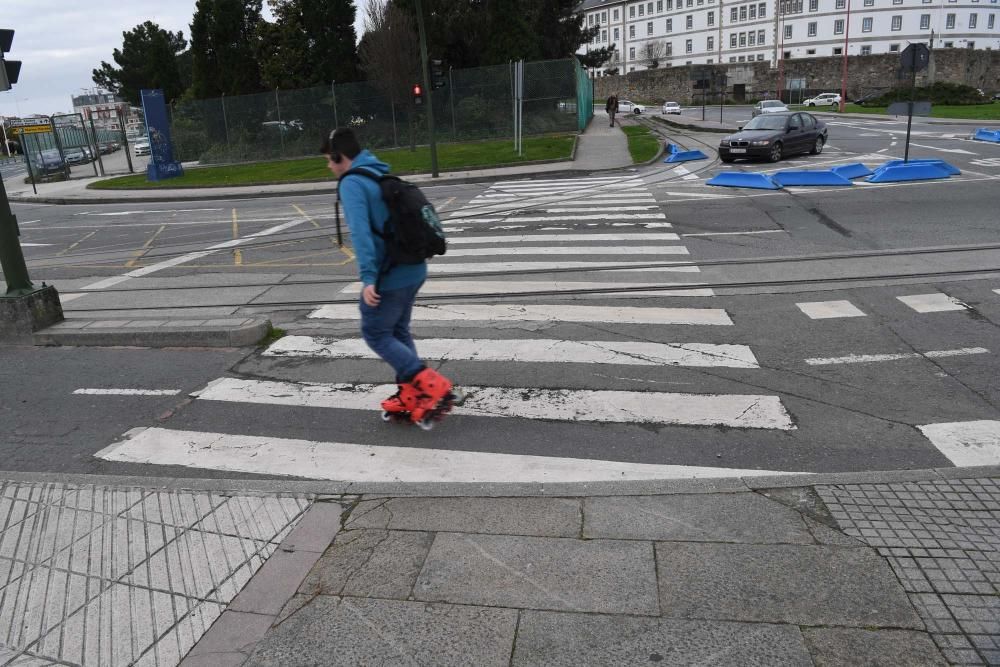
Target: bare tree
x=390, y=54
x=652, y=53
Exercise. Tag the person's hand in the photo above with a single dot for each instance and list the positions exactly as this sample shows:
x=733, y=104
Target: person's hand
x=370, y=296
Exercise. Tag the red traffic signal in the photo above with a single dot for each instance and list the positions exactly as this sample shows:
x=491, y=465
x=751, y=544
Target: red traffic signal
x=418, y=94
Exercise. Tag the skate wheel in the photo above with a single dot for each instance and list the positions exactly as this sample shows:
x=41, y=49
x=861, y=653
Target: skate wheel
x=386, y=416
x=426, y=424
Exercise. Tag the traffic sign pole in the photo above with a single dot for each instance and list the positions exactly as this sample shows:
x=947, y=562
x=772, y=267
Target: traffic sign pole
x=15, y=271
x=427, y=87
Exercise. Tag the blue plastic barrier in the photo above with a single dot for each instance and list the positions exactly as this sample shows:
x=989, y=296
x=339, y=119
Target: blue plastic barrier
x=685, y=156
x=738, y=179
x=794, y=177
x=986, y=134
x=949, y=168
x=912, y=171
x=671, y=149
x=855, y=170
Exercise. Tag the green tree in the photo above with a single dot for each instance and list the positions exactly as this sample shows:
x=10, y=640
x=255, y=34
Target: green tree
x=224, y=36
x=148, y=59
x=311, y=42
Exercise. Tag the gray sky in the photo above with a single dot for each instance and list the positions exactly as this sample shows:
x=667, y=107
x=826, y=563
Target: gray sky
x=59, y=43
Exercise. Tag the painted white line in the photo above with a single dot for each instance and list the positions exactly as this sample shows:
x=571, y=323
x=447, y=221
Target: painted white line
x=128, y=392
x=461, y=312
x=625, y=353
x=531, y=287
x=564, y=208
x=174, y=210
x=932, y=303
x=697, y=195
x=444, y=268
x=28, y=222
x=690, y=177
x=364, y=463
x=568, y=250
x=870, y=358
x=681, y=170
x=35, y=245
x=544, y=238
x=944, y=150
x=820, y=310
x=619, y=407
x=184, y=259
x=492, y=217
x=595, y=180
x=764, y=231
x=972, y=443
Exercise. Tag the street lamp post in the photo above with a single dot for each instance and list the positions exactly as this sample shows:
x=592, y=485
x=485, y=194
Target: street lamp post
x=843, y=72
x=781, y=53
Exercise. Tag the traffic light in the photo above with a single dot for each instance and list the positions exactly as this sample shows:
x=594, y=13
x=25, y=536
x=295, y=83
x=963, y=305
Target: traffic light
x=9, y=69
x=437, y=74
x=418, y=94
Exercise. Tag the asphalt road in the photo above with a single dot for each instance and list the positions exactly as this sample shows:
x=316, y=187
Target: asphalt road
x=740, y=370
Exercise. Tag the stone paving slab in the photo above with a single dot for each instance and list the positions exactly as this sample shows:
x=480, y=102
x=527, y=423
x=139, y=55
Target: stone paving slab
x=736, y=517
x=557, y=639
x=332, y=631
x=806, y=585
x=547, y=517
x=834, y=647
x=375, y=563
x=233, y=332
x=602, y=576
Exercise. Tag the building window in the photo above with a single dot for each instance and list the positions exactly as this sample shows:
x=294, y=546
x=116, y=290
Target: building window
x=838, y=27
x=733, y=13
x=866, y=24
x=617, y=35
x=631, y=53
x=743, y=13
x=760, y=37
x=670, y=25
x=760, y=56
x=631, y=12
x=894, y=48
x=810, y=52
x=925, y=21
x=897, y=22
x=689, y=21
x=670, y=48
x=710, y=44
x=711, y=18
x=949, y=45
x=590, y=19
x=689, y=3
x=688, y=46
x=990, y=22
x=762, y=10
x=752, y=38
x=616, y=14
x=973, y=20
x=649, y=28
x=787, y=55
x=838, y=50
x=659, y=5
x=811, y=29
x=949, y=22
x=604, y=35
x=741, y=58
x=642, y=10
x=710, y=61
x=732, y=41
x=753, y=12
x=743, y=39
x=841, y=4
x=788, y=31
x=732, y=59
x=631, y=31
x=604, y=17
x=814, y=5
x=897, y=2
x=866, y=50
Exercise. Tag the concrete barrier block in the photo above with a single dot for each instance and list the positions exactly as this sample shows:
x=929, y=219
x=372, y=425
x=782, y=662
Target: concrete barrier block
x=738, y=179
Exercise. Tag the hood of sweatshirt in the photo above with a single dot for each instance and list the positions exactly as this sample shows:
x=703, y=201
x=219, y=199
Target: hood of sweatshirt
x=369, y=162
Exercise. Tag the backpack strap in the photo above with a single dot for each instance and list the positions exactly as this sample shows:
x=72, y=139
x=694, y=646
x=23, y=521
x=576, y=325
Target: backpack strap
x=378, y=178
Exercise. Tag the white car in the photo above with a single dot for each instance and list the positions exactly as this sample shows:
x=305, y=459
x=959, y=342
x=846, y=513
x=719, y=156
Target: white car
x=826, y=99
x=625, y=106
x=141, y=147
x=672, y=107
x=768, y=106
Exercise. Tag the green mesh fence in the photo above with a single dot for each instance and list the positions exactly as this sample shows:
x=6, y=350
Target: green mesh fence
x=475, y=104
x=584, y=97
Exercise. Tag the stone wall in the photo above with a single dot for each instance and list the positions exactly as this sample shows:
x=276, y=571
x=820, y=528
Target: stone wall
x=974, y=67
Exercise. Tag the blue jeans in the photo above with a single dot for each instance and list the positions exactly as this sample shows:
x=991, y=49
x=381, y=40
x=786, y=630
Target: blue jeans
x=386, y=329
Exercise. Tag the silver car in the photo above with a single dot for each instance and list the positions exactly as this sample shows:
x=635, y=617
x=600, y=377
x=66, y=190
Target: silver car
x=769, y=106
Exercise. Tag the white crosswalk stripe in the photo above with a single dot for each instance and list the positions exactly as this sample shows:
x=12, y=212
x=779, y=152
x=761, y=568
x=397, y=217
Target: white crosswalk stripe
x=555, y=225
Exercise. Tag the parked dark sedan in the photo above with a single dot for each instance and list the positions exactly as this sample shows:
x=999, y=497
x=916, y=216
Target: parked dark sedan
x=773, y=136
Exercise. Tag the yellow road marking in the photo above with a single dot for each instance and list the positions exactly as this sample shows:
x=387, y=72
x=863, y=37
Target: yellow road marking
x=446, y=204
x=76, y=244
x=237, y=253
x=343, y=249
x=145, y=247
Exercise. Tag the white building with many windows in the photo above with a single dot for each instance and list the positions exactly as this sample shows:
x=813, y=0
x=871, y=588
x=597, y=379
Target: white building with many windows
x=666, y=33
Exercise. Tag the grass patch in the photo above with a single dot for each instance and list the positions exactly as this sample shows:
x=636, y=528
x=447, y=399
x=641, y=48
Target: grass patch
x=643, y=145
x=451, y=157
x=272, y=335
x=966, y=111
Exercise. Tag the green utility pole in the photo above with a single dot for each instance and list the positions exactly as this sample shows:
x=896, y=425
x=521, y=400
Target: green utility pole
x=15, y=271
x=427, y=88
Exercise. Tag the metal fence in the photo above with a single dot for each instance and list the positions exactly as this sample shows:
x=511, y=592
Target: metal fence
x=475, y=104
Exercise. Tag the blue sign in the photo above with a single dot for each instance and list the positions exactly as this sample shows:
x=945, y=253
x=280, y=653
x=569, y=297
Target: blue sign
x=161, y=150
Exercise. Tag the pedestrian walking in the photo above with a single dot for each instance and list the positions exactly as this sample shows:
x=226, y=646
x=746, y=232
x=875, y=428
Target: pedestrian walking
x=612, y=108
x=391, y=243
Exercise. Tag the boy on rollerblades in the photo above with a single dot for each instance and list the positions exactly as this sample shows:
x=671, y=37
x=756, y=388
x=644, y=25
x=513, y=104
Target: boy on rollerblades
x=390, y=245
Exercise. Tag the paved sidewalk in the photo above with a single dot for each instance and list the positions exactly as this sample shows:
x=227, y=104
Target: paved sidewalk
x=603, y=146
x=895, y=568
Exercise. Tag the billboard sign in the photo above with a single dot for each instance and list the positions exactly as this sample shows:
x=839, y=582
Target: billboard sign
x=161, y=149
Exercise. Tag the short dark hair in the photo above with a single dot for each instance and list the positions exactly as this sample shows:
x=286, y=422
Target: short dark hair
x=341, y=141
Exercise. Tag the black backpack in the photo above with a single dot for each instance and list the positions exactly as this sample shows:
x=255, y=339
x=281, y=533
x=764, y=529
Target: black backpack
x=413, y=231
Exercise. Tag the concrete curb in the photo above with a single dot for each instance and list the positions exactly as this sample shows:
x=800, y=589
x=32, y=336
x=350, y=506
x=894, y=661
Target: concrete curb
x=697, y=128
x=234, y=332
x=495, y=490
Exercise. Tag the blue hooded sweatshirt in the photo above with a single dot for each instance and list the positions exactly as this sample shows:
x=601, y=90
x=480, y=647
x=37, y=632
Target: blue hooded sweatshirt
x=361, y=198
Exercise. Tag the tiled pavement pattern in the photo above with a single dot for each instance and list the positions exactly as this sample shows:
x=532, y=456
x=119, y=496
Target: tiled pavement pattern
x=942, y=539
x=93, y=575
